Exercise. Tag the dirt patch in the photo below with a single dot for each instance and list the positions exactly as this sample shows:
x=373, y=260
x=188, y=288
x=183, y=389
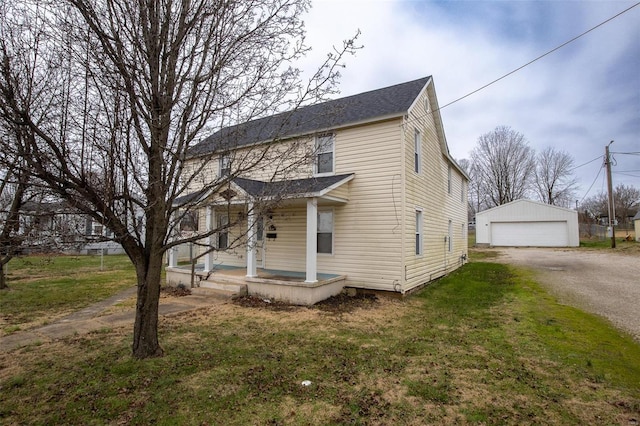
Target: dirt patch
x=179, y=291
x=342, y=303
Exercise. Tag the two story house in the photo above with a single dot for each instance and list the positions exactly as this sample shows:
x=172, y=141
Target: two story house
x=357, y=192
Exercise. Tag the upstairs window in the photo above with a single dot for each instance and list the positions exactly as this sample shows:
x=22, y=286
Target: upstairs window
x=224, y=166
x=417, y=143
x=324, y=154
x=449, y=179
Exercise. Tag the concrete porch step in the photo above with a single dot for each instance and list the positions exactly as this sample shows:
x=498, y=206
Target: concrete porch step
x=222, y=287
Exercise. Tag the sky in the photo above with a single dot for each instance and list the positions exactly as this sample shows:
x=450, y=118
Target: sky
x=577, y=99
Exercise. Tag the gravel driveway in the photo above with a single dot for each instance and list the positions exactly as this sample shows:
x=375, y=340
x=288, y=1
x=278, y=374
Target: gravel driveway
x=601, y=282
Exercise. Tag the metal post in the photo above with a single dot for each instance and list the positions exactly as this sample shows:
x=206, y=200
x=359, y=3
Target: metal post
x=612, y=210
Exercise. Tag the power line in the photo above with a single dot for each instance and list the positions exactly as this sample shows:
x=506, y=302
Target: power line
x=626, y=174
x=588, y=162
x=592, y=183
x=529, y=63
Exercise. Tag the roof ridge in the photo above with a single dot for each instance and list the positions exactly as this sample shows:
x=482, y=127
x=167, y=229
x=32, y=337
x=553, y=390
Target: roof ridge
x=334, y=113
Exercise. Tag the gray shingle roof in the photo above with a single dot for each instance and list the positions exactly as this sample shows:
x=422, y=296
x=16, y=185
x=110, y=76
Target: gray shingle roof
x=260, y=189
x=288, y=188
x=388, y=101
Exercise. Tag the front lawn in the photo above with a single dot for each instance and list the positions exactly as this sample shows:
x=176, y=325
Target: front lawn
x=485, y=345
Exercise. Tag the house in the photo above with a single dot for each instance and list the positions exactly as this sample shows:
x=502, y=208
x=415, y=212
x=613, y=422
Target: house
x=636, y=225
x=526, y=223
x=54, y=226
x=378, y=203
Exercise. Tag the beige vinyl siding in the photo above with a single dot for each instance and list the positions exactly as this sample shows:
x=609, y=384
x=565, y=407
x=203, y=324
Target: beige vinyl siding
x=428, y=190
x=367, y=233
x=284, y=160
x=366, y=238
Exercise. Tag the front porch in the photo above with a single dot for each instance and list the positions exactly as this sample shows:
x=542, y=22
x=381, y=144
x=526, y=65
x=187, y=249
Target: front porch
x=288, y=286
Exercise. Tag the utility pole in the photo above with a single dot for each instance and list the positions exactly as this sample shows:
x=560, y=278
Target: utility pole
x=612, y=210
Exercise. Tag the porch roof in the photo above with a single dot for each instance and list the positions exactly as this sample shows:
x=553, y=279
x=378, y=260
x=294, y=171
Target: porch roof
x=287, y=189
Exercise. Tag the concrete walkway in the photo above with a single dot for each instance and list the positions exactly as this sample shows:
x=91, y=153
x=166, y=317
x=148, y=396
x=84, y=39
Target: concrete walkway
x=90, y=318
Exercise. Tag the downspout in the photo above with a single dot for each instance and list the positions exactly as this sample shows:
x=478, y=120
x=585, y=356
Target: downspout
x=403, y=195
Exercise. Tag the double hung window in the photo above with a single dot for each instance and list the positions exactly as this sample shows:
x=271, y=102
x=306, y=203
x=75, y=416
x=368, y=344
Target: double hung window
x=324, y=154
x=325, y=232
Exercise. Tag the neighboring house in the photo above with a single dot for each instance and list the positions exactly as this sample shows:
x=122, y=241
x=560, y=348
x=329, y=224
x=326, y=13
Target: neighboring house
x=379, y=205
x=526, y=223
x=56, y=227
x=636, y=225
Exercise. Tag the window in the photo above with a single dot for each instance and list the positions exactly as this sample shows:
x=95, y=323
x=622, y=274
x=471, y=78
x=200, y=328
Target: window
x=189, y=221
x=223, y=235
x=462, y=190
x=260, y=229
x=324, y=154
x=449, y=179
x=450, y=237
x=225, y=165
x=325, y=232
x=418, y=232
x=417, y=142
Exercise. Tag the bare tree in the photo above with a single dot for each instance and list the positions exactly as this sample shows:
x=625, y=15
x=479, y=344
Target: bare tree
x=116, y=93
x=554, y=181
x=13, y=186
x=627, y=202
x=504, y=164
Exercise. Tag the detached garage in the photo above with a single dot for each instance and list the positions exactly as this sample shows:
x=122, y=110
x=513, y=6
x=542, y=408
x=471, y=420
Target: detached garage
x=526, y=223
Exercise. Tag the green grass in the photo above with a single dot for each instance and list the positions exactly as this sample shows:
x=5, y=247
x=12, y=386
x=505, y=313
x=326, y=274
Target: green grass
x=484, y=345
x=49, y=285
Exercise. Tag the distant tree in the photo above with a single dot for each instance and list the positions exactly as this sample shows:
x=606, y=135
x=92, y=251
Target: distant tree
x=474, y=194
x=626, y=201
x=504, y=166
x=554, y=180
x=13, y=187
x=596, y=206
x=115, y=94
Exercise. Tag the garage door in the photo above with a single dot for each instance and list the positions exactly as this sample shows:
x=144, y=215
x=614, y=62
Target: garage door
x=533, y=234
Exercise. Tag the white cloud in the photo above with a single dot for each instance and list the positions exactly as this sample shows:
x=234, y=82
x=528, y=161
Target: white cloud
x=577, y=98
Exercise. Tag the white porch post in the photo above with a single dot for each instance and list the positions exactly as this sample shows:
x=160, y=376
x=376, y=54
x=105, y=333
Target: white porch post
x=173, y=256
x=251, y=242
x=209, y=220
x=312, y=240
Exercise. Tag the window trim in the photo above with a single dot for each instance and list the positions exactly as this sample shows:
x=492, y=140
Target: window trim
x=333, y=229
x=419, y=239
x=417, y=151
x=319, y=151
x=224, y=158
x=449, y=183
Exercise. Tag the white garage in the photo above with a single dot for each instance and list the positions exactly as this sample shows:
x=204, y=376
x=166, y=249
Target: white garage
x=525, y=223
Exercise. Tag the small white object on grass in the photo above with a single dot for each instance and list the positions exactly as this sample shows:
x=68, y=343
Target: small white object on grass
x=306, y=383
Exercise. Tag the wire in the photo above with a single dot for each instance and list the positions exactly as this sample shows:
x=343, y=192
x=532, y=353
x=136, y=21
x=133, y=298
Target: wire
x=588, y=162
x=527, y=64
x=626, y=153
x=627, y=174
x=592, y=183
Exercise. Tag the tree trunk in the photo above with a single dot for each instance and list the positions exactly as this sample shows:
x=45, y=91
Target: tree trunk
x=145, y=330
x=3, y=279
